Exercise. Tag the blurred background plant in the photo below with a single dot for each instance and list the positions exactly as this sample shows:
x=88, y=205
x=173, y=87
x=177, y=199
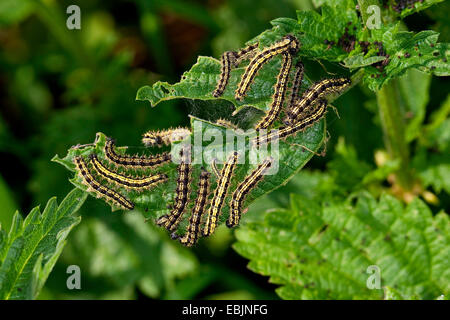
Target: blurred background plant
x=58, y=87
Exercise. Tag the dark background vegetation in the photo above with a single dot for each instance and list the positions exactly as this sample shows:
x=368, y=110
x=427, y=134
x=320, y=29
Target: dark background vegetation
x=59, y=87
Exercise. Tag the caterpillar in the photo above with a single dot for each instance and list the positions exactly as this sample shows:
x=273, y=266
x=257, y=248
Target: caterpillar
x=227, y=124
x=305, y=122
x=298, y=79
x=317, y=91
x=164, y=137
x=171, y=221
x=133, y=161
x=243, y=189
x=214, y=169
x=278, y=96
x=229, y=60
x=101, y=191
x=288, y=44
x=125, y=181
x=220, y=194
x=246, y=53
x=193, y=229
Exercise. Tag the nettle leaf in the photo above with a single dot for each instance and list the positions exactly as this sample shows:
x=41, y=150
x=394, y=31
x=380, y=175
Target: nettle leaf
x=402, y=51
x=323, y=251
x=30, y=250
x=414, y=88
x=406, y=8
x=433, y=169
x=436, y=134
x=200, y=81
x=292, y=157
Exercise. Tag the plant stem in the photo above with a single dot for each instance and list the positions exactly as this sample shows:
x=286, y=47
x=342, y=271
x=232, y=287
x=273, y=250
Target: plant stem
x=392, y=122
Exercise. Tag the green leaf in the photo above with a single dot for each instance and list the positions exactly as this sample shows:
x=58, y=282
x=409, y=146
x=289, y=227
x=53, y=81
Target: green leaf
x=30, y=250
x=437, y=132
x=330, y=25
x=346, y=169
x=323, y=250
x=291, y=157
x=434, y=170
x=200, y=81
x=8, y=205
x=417, y=6
x=128, y=253
x=414, y=88
x=406, y=50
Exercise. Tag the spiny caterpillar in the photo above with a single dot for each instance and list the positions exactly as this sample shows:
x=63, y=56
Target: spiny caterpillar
x=312, y=95
x=171, y=221
x=220, y=194
x=289, y=44
x=278, y=96
x=227, y=124
x=214, y=169
x=298, y=79
x=243, y=189
x=193, y=229
x=302, y=124
x=228, y=60
x=164, y=137
x=246, y=53
x=125, y=181
x=101, y=191
x=133, y=161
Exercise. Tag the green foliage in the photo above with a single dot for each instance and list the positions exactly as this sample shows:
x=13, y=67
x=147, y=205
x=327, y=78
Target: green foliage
x=291, y=159
x=32, y=247
x=82, y=82
x=322, y=251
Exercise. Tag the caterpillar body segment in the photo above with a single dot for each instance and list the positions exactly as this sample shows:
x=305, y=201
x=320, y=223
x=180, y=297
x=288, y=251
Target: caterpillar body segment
x=193, y=230
x=227, y=124
x=279, y=94
x=220, y=193
x=246, y=53
x=289, y=44
x=297, y=83
x=227, y=61
x=164, y=137
x=101, y=191
x=184, y=169
x=305, y=122
x=311, y=96
x=141, y=162
x=127, y=182
x=243, y=189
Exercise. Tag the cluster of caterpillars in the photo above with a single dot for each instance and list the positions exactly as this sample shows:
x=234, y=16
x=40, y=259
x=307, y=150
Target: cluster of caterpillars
x=302, y=110
x=206, y=210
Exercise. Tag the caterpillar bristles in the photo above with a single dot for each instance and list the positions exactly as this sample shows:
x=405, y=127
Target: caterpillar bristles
x=164, y=137
x=289, y=44
x=311, y=96
x=134, y=162
x=193, y=230
x=279, y=94
x=184, y=169
x=284, y=132
x=100, y=191
x=226, y=123
x=220, y=193
x=125, y=181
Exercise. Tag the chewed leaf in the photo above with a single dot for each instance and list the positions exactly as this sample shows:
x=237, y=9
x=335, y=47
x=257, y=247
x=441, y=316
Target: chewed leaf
x=338, y=251
x=30, y=250
x=291, y=157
